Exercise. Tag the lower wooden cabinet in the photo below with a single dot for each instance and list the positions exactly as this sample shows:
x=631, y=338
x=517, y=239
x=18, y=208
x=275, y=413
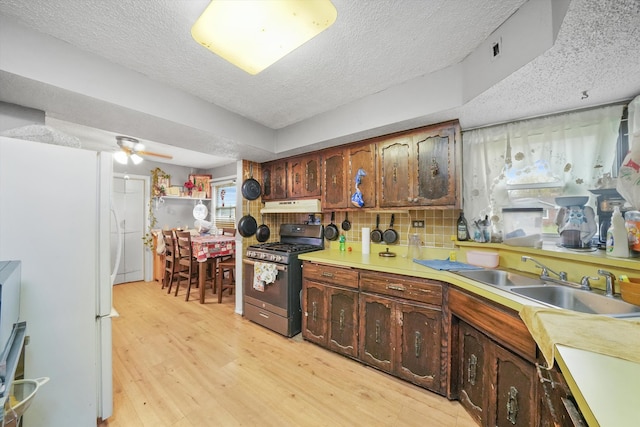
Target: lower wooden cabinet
x=496, y=386
x=330, y=308
x=557, y=408
x=471, y=375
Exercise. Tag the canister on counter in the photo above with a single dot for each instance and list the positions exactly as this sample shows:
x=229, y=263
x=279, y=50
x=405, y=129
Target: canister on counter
x=632, y=224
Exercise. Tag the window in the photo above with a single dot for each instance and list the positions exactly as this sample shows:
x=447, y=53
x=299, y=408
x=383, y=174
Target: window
x=224, y=205
x=530, y=162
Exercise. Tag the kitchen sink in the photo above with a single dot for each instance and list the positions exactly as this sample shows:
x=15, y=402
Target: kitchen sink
x=501, y=278
x=578, y=300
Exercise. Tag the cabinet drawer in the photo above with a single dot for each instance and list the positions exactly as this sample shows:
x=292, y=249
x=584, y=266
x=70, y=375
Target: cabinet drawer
x=329, y=274
x=422, y=290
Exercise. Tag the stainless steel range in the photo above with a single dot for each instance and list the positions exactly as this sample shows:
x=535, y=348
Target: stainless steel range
x=272, y=276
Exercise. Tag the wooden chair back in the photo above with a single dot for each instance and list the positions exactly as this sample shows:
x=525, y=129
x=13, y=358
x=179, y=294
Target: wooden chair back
x=228, y=231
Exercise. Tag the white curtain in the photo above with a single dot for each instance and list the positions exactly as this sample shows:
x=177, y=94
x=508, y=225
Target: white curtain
x=561, y=154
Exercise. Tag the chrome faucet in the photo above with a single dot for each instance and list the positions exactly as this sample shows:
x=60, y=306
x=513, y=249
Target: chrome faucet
x=609, y=278
x=562, y=276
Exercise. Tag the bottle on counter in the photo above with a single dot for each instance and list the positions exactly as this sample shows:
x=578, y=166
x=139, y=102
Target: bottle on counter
x=463, y=228
x=617, y=239
x=343, y=240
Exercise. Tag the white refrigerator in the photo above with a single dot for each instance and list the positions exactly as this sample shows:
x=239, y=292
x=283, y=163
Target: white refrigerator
x=55, y=218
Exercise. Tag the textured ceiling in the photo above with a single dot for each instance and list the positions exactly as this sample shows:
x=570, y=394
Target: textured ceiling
x=373, y=46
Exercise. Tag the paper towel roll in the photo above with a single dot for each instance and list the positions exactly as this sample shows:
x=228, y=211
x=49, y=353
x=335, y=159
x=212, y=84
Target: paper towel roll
x=366, y=239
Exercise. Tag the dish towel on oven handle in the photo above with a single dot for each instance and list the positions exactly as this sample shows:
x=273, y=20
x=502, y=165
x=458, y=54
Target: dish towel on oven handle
x=264, y=274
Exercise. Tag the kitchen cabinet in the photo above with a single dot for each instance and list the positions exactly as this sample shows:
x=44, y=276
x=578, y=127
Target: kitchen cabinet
x=471, y=376
x=330, y=307
x=274, y=180
x=496, y=377
x=334, y=180
x=401, y=328
x=363, y=157
x=304, y=176
x=556, y=404
x=419, y=168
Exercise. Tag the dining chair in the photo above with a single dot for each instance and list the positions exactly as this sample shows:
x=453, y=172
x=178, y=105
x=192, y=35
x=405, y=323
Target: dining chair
x=187, y=262
x=226, y=267
x=171, y=266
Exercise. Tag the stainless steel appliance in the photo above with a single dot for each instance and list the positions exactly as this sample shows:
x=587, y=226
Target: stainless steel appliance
x=606, y=200
x=276, y=305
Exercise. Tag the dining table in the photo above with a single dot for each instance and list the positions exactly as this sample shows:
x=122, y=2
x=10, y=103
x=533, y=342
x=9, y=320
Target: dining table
x=211, y=247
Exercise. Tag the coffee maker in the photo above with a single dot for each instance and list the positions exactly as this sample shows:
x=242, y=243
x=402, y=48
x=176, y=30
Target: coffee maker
x=606, y=200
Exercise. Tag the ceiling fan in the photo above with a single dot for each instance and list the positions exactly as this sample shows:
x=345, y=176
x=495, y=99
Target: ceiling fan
x=131, y=148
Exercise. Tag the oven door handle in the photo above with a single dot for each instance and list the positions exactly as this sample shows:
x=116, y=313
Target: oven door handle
x=278, y=266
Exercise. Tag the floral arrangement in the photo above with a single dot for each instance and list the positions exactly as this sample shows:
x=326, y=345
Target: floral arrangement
x=189, y=185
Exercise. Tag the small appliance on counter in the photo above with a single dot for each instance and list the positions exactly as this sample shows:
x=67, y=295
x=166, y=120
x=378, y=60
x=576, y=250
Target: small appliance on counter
x=576, y=222
x=605, y=202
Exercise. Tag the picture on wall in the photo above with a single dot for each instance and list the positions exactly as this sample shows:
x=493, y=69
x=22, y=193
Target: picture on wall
x=202, y=183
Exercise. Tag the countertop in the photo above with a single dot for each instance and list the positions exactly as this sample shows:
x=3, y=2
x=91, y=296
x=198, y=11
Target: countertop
x=605, y=388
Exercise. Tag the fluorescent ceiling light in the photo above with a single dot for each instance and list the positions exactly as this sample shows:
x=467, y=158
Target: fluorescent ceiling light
x=253, y=34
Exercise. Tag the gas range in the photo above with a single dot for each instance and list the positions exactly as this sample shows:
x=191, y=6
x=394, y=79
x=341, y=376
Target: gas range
x=294, y=240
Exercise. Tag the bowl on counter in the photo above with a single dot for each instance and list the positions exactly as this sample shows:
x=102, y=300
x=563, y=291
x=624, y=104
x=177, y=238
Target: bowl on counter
x=566, y=201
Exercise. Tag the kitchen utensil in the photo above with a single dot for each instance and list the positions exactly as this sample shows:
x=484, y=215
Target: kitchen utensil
x=247, y=226
x=376, y=234
x=331, y=231
x=390, y=235
x=263, y=232
x=346, y=224
x=387, y=254
x=250, y=187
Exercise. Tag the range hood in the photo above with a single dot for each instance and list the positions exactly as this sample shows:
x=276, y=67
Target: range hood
x=308, y=206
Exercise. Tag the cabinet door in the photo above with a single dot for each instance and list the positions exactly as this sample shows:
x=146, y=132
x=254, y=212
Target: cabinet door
x=314, y=321
x=394, y=172
x=363, y=157
x=515, y=399
x=279, y=181
x=377, y=332
x=296, y=177
x=311, y=179
x=472, y=371
x=435, y=158
x=267, y=181
x=343, y=321
x=419, y=345
x=335, y=186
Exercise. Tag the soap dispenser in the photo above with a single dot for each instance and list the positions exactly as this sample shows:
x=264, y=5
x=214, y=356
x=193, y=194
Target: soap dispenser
x=617, y=239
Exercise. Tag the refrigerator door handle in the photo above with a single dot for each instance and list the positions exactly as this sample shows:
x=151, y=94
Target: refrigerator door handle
x=118, y=246
x=113, y=313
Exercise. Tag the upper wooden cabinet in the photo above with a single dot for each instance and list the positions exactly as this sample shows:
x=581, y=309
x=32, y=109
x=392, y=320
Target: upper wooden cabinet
x=304, y=176
x=419, y=168
x=334, y=179
x=274, y=180
x=363, y=157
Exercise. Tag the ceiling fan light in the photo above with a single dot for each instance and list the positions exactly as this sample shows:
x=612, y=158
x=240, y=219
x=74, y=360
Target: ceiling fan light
x=121, y=157
x=136, y=159
x=253, y=34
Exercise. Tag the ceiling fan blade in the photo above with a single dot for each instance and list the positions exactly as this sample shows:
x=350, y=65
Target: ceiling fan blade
x=151, y=153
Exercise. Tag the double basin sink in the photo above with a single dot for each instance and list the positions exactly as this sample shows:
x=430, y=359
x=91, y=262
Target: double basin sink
x=559, y=296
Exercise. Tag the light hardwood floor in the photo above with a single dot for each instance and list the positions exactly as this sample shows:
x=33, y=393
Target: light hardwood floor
x=184, y=364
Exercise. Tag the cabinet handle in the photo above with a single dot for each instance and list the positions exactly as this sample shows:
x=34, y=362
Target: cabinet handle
x=512, y=405
x=342, y=319
x=297, y=179
x=396, y=287
x=327, y=274
x=542, y=378
x=395, y=173
x=314, y=311
x=472, y=368
x=334, y=179
x=377, y=332
x=435, y=169
x=417, y=343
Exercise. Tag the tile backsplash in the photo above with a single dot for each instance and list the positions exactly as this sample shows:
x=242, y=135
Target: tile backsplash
x=439, y=224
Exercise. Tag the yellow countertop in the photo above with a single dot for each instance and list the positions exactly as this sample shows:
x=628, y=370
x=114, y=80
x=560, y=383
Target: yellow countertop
x=605, y=388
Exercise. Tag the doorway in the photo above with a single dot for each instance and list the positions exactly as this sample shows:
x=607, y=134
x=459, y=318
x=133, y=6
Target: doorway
x=129, y=204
